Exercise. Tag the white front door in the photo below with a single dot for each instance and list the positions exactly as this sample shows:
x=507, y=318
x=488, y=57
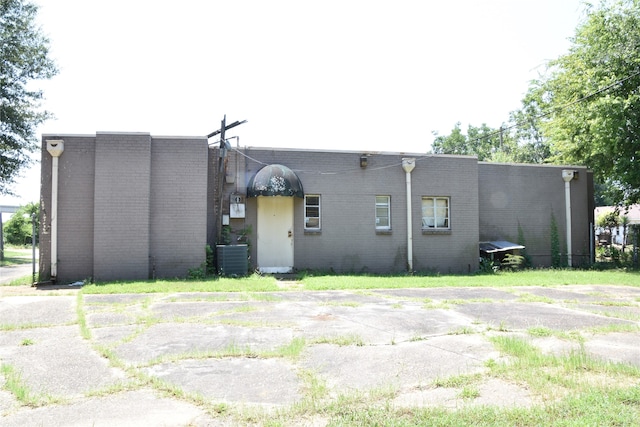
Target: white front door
x=275, y=234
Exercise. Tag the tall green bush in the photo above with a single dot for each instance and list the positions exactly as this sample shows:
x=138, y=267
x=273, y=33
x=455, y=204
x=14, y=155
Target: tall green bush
x=526, y=263
x=556, y=255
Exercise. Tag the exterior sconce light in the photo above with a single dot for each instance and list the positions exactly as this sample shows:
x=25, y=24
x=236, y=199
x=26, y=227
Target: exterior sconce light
x=363, y=161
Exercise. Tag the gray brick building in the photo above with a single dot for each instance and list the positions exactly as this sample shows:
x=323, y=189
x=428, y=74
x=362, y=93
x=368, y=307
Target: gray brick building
x=133, y=206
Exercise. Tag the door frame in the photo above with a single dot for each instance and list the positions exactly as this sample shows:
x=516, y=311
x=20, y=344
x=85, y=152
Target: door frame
x=275, y=221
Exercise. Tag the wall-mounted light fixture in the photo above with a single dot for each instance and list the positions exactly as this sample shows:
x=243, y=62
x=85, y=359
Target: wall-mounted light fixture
x=363, y=161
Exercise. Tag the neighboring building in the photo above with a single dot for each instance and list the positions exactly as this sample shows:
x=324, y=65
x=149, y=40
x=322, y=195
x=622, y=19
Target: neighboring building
x=617, y=236
x=133, y=206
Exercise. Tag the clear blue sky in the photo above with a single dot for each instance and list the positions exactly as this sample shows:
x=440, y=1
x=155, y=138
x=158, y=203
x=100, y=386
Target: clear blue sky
x=338, y=74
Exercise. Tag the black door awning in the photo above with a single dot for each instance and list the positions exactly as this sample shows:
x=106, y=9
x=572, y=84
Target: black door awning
x=275, y=180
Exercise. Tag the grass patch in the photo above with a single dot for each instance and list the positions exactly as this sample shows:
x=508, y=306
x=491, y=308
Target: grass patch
x=20, y=281
x=14, y=256
x=463, y=330
x=290, y=351
x=540, y=331
x=614, y=303
x=342, y=340
x=82, y=321
x=314, y=387
x=589, y=392
x=616, y=407
x=118, y=387
x=430, y=305
x=621, y=315
x=502, y=279
x=469, y=392
x=527, y=297
x=256, y=283
x=24, y=326
x=554, y=376
x=502, y=327
x=341, y=304
x=253, y=283
x=606, y=329
x=457, y=381
x=14, y=384
x=575, y=389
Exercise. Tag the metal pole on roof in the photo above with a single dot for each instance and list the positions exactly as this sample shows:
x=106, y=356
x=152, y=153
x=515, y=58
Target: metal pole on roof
x=220, y=174
x=221, y=158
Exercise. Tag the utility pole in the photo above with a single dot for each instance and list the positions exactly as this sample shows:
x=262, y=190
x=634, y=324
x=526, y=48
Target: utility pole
x=222, y=156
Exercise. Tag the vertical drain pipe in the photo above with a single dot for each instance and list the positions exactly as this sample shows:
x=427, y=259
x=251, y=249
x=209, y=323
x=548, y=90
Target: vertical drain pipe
x=55, y=147
x=567, y=176
x=407, y=165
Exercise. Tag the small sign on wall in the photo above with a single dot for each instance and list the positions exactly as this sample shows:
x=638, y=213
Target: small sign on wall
x=236, y=206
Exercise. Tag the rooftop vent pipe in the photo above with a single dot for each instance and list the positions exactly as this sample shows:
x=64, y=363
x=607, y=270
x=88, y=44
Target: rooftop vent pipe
x=55, y=147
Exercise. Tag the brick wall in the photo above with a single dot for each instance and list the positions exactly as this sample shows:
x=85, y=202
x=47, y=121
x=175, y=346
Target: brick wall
x=521, y=199
x=132, y=207
x=75, y=209
x=455, y=177
x=121, y=206
x=178, y=205
x=129, y=207
x=348, y=241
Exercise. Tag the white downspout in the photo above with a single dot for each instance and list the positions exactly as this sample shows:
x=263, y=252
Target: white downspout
x=55, y=147
x=567, y=176
x=407, y=165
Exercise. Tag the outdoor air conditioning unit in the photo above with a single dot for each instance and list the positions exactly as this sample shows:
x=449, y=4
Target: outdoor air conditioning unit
x=232, y=260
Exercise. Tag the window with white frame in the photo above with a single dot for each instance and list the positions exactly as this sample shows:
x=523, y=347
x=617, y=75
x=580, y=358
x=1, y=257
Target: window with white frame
x=383, y=212
x=312, y=212
x=435, y=213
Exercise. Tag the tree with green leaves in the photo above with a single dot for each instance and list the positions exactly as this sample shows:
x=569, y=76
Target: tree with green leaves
x=24, y=57
x=19, y=228
x=483, y=142
x=609, y=220
x=505, y=144
x=526, y=127
x=590, y=100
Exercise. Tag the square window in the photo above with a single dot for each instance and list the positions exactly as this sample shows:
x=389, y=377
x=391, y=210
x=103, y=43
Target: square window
x=435, y=213
x=311, y=212
x=383, y=212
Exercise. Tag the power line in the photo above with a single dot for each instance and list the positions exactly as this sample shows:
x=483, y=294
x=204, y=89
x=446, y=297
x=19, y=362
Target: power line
x=497, y=132
x=558, y=109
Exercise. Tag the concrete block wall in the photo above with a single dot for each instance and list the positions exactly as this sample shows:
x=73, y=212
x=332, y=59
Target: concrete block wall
x=456, y=177
x=75, y=209
x=178, y=205
x=130, y=207
x=517, y=200
x=348, y=240
x=121, y=206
